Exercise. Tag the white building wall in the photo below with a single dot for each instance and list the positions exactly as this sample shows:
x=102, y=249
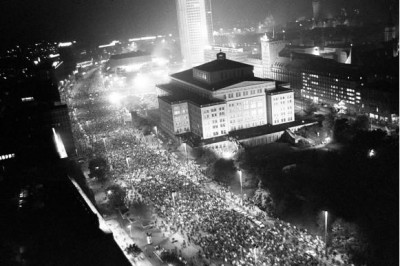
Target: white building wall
x=246, y=107
x=180, y=115
x=280, y=108
x=214, y=121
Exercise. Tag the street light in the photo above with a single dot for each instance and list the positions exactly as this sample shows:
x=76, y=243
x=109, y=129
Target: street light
x=158, y=143
x=186, y=153
x=104, y=142
x=326, y=232
x=130, y=229
x=241, y=184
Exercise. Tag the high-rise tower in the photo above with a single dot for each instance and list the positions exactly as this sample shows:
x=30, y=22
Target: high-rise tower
x=193, y=30
x=316, y=4
x=210, y=28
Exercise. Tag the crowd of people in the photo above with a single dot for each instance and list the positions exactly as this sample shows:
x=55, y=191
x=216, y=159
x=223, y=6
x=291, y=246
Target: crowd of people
x=174, y=191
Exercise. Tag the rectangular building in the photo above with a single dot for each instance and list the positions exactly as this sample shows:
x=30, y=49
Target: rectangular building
x=219, y=97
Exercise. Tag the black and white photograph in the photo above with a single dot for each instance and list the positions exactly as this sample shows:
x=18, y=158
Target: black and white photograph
x=199, y=133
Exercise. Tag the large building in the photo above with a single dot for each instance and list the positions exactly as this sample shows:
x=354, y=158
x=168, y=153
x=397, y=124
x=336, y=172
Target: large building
x=222, y=96
x=127, y=62
x=194, y=29
x=269, y=53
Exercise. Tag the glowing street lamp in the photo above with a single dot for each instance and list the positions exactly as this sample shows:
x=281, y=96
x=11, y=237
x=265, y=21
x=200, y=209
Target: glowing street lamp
x=130, y=229
x=104, y=142
x=115, y=98
x=241, y=184
x=186, y=152
x=326, y=232
x=371, y=153
x=158, y=143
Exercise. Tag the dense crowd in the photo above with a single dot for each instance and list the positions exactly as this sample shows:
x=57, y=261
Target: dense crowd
x=205, y=219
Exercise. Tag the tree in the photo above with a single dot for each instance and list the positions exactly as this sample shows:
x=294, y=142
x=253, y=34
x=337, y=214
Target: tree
x=134, y=250
x=171, y=259
x=310, y=109
x=116, y=195
x=223, y=170
x=361, y=123
x=98, y=167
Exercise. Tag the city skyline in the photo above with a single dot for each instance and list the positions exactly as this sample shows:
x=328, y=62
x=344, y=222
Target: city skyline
x=106, y=20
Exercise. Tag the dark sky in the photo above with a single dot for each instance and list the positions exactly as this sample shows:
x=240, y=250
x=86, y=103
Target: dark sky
x=110, y=19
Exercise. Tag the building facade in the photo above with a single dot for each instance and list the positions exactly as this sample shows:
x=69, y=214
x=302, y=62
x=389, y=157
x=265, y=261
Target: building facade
x=222, y=96
x=193, y=31
x=270, y=53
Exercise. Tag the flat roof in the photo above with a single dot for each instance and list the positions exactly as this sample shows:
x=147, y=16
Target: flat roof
x=187, y=77
x=128, y=55
x=266, y=129
x=221, y=64
x=279, y=90
x=312, y=63
x=181, y=95
x=256, y=131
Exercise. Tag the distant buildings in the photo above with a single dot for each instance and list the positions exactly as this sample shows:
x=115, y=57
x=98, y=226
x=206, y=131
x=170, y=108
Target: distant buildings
x=194, y=22
x=222, y=96
x=269, y=53
x=127, y=62
x=316, y=6
x=234, y=54
x=30, y=108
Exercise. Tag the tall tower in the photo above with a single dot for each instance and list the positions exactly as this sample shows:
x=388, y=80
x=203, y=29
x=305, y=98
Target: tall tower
x=193, y=30
x=210, y=28
x=269, y=53
x=316, y=5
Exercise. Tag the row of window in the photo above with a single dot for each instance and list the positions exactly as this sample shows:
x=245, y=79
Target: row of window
x=245, y=93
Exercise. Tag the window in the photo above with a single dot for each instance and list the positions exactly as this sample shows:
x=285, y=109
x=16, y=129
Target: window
x=237, y=94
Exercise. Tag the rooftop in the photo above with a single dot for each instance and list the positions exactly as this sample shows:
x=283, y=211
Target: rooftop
x=187, y=77
x=180, y=95
x=278, y=90
x=224, y=64
x=256, y=131
x=319, y=65
x=128, y=55
x=266, y=129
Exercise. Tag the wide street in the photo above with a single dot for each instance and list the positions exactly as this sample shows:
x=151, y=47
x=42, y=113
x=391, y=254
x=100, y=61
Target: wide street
x=192, y=217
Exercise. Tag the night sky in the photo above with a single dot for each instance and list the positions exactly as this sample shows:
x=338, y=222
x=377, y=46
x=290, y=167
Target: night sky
x=26, y=20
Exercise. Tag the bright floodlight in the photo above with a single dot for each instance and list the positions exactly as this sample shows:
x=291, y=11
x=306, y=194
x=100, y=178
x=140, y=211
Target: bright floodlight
x=59, y=145
x=371, y=153
x=142, y=81
x=227, y=155
x=115, y=98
